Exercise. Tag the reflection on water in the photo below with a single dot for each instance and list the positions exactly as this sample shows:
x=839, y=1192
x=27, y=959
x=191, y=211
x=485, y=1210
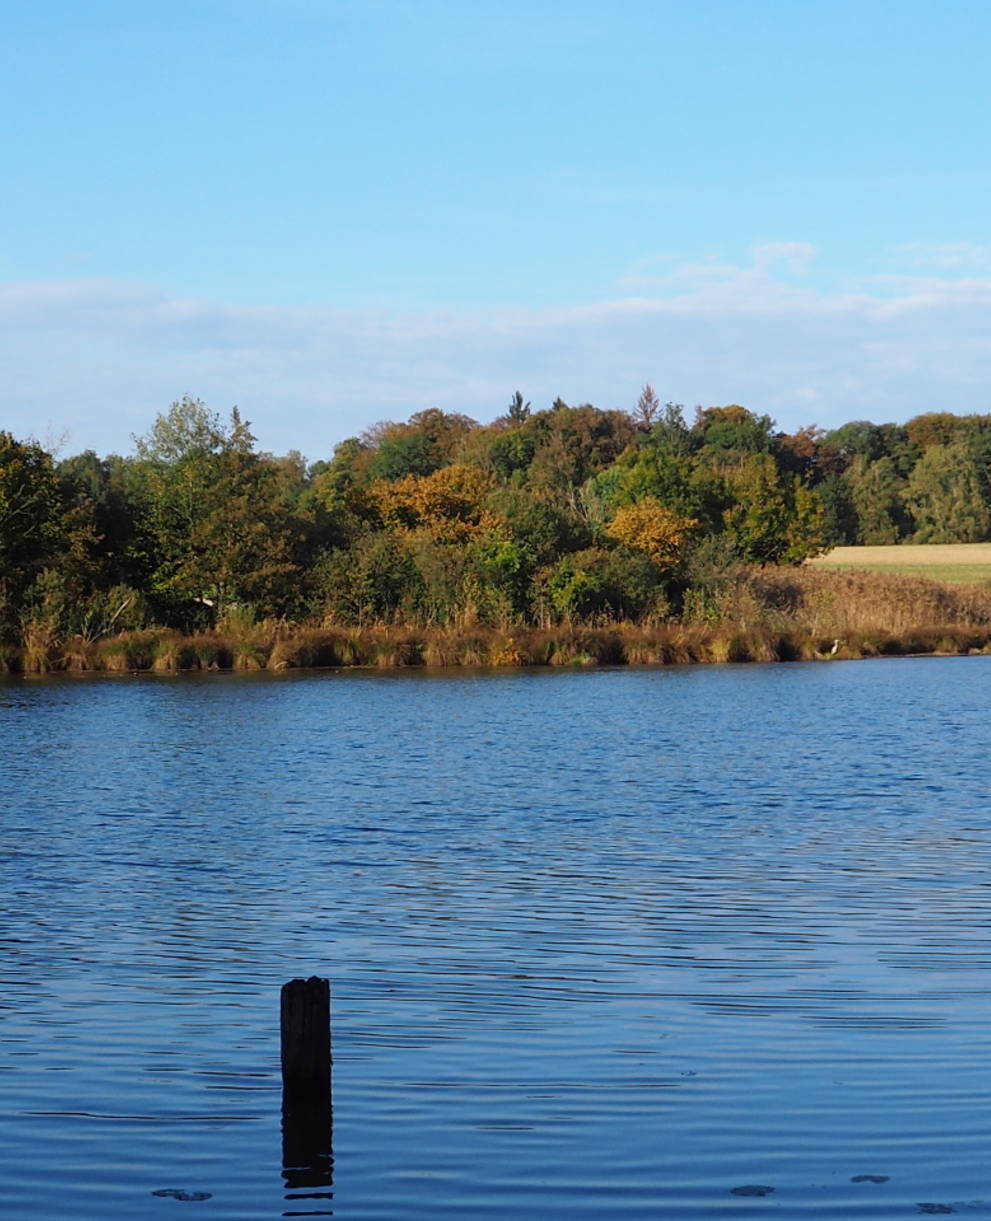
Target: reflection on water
x=686, y=943
x=308, y=1155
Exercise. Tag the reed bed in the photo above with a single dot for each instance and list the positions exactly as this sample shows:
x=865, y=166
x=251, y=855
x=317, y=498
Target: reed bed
x=771, y=614
x=838, y=603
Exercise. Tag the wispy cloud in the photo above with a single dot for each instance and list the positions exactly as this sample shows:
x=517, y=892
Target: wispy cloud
x=796, y=257
x=98, y=359
x=941, y=256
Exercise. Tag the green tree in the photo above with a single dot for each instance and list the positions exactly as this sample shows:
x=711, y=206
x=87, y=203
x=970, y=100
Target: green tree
x=32, y=528
x=189, y=429
x=519, y=411
x=600, y=584
x=734, y=428
x=512, y=451
x=839, y=514
x=771, y=518
x=807, y=533
x=573, y=444
x=498, y=576
x=671, y=434
x=97, y=495
x=944, y=494
x=876, y=491
x=214, y=513
x=757, y=518
x=373, y=581
x=405, y=453
x=872, y=442
x=652, y=470
x=545, y=530
x=429, y=440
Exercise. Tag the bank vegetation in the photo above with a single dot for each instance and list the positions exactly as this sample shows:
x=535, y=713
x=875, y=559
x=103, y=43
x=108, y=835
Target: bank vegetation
x=569, y=536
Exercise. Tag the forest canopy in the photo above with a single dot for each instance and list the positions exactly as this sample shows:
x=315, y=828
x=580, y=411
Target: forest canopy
x=571, y=513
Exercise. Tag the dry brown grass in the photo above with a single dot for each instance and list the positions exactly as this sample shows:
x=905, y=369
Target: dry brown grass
x=836, y=603
x=79, y=654
x=41, y=651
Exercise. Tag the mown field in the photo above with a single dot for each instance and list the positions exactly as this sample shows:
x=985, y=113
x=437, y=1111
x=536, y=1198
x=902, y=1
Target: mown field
x=959, y=562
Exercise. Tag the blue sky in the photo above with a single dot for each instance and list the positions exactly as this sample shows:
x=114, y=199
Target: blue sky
x=331, y=212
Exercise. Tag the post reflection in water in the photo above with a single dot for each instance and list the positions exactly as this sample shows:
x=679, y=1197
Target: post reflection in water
x=307, y=1099
x=308, y=1154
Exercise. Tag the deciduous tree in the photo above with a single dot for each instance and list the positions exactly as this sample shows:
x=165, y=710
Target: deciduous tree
x=652, y=528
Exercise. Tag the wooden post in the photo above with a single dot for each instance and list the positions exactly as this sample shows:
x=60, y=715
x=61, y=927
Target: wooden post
x=307, y=1108
x=306, y=1057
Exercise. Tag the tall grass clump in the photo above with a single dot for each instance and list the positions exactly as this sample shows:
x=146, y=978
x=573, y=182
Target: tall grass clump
x=40, y=651
x=210, y=651
x=305, y=649
x=439, y=647
x=130, y=651
x=80, y=654
x=250, y=642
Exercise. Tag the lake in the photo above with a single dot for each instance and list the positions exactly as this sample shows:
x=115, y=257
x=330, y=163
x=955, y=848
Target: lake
x=703, y=942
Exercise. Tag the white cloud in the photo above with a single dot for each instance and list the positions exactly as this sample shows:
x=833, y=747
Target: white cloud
x=941, y=256
x=98, y=359
x=796, y=256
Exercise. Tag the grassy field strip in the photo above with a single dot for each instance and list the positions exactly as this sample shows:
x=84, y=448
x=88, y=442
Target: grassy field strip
x=958, y=562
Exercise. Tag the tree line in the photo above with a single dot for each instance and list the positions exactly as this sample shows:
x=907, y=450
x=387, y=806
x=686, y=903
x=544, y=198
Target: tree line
x=566, y=514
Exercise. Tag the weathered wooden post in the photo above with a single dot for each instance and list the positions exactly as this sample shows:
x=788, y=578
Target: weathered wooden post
x=307, y=1107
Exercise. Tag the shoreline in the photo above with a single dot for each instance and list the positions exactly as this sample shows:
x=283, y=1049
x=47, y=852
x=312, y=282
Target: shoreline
x=277, y=648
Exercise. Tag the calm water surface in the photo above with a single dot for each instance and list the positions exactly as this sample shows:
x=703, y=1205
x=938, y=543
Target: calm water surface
x=603, y=945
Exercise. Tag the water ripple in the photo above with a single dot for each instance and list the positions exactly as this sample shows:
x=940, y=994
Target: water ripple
x=611, y=945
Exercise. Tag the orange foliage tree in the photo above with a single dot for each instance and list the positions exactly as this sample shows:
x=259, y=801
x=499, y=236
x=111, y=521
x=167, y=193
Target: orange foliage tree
x=448, y=504
x=650, y=527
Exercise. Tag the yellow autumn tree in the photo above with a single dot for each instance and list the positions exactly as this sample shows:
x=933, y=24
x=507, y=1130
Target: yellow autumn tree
x=448, y=504
x=650, y=527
